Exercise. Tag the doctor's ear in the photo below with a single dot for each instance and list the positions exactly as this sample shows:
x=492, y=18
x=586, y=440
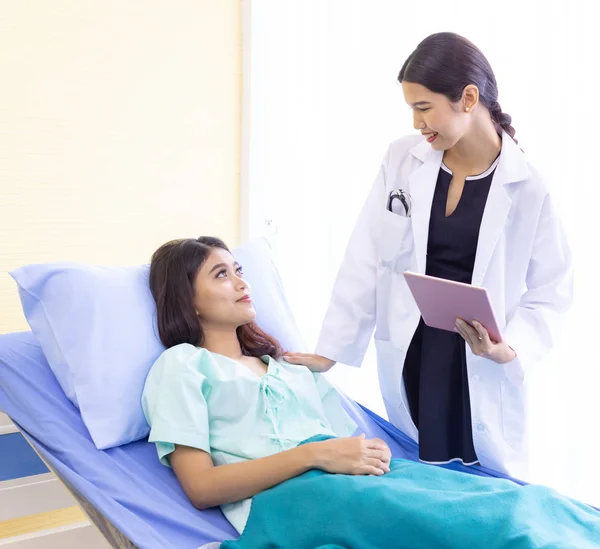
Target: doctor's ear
x=470, y=98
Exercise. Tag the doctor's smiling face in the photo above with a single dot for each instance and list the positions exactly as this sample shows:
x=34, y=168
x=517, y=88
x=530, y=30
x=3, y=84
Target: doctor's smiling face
x=441, y=121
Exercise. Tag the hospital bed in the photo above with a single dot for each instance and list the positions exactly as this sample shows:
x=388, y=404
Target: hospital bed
x=127, y=493
x=133, y=499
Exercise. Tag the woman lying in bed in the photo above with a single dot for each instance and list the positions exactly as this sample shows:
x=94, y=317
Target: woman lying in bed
x=239, y=425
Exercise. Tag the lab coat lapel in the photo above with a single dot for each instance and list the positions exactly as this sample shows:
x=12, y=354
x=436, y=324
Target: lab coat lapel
x=422, y=183
x=492, y=225
x=511, y=168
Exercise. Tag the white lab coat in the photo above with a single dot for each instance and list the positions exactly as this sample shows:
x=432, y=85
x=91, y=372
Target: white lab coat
x=522, y=259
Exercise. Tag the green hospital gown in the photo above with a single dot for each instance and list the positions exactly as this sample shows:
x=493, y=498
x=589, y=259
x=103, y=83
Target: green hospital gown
x=196, y=398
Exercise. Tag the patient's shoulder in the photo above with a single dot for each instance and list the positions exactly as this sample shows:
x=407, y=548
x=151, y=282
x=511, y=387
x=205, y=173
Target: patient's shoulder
x=179, y=353
x=182, y=358
x=176, y=368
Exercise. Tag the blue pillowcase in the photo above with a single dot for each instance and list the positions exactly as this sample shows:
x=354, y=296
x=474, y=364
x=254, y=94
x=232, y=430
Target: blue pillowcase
x=97, y=328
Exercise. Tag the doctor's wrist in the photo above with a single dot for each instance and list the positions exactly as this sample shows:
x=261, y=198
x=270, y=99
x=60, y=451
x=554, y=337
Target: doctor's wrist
x=507, y=355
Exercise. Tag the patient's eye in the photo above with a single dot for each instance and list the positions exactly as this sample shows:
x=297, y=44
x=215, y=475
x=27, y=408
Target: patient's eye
x=223, y=272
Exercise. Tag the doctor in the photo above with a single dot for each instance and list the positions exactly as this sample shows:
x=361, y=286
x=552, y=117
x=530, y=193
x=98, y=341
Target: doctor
x=460, y=202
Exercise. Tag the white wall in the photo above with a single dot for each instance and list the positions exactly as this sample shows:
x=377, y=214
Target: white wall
x=324, y=104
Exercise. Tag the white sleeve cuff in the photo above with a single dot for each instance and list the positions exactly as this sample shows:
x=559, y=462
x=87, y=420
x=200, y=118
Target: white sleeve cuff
x=349, y=355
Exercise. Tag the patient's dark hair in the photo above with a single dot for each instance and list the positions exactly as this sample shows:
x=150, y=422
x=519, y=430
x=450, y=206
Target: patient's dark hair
x=446, y=63
x=173, y=270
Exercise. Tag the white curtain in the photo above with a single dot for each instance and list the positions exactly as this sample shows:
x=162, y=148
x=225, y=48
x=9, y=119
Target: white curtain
x=321, y=104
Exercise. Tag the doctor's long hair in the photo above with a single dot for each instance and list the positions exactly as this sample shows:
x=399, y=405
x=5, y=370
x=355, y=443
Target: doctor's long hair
x=447, y=63
x=173, y=269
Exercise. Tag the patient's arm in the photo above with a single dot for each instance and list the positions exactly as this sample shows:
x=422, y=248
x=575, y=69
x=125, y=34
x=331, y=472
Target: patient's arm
x=208, y=485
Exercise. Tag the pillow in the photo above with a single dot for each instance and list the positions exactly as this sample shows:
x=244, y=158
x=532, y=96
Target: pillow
x=97, y=328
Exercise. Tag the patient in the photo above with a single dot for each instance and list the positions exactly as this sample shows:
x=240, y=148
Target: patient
x=240, y=426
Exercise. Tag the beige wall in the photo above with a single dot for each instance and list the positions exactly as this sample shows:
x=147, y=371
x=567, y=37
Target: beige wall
x=119, y=129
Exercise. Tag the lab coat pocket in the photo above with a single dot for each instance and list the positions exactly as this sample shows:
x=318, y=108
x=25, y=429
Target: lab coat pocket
x=513, y=413
x=395, y=238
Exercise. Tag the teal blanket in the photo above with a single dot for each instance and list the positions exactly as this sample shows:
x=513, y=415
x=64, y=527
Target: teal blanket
x=415, y=506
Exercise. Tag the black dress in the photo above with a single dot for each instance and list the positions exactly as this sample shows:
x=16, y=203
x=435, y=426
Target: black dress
x=435, y=368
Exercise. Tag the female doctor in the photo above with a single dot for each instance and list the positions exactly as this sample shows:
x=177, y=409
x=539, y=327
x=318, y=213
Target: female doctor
x=461, y=202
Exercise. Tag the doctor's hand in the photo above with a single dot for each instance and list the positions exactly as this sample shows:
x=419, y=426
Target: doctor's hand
x=479, y=340
x=352, y=456
x=315, y=363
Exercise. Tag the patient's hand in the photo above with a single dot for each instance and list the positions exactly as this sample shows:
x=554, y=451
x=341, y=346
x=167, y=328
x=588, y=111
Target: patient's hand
x=315, y=363
x=352, y=456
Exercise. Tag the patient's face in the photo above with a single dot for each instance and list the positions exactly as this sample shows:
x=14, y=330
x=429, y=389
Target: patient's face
x=222, y=296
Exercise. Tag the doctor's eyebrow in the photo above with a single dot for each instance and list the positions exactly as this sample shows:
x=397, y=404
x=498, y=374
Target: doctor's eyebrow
x=420, y=103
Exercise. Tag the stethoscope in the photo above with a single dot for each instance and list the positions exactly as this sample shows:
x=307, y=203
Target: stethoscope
x=402, y=197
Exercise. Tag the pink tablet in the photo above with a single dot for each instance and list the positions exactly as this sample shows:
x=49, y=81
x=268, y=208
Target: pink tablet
x=442, y=301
